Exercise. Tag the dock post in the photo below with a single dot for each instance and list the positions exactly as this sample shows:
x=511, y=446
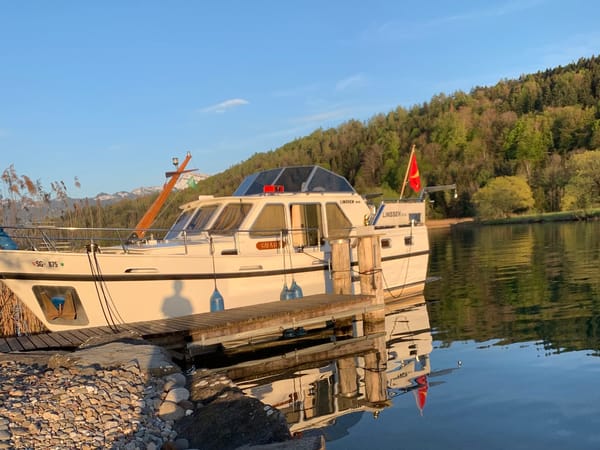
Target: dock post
x=371, y=280
x=340, y=266
x=375, y=375
x=341, y=278
x=348, y=377
x=371, y=283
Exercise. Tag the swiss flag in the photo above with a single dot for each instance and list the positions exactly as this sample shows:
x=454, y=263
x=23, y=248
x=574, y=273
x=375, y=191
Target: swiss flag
x=414, y=178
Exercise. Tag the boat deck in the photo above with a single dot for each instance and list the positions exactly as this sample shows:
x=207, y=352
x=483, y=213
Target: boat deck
x=194, y=333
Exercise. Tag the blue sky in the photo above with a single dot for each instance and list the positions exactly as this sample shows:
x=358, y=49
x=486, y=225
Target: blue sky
x=108, y=91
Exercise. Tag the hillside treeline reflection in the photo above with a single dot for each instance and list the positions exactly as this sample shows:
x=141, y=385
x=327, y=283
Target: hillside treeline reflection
x=517, y=283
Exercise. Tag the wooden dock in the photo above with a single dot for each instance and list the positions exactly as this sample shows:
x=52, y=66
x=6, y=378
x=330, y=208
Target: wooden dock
x=194, y=333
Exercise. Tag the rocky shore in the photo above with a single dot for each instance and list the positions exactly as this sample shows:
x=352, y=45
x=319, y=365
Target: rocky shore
x=131, y=396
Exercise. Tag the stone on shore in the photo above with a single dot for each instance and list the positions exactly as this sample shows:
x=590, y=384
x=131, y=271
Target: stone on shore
x=130, y=396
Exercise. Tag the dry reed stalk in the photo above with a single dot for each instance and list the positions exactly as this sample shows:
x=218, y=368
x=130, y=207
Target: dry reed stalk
x=15, y=317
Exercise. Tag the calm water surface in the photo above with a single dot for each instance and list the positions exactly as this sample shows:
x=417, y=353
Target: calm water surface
x=502, y=352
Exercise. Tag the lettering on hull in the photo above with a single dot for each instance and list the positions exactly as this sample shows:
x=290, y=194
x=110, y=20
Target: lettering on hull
x=269, y=245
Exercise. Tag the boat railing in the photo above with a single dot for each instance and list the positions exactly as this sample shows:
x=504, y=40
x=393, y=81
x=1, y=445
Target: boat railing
x=232, y=241
x=73, y=239
x=52, y=238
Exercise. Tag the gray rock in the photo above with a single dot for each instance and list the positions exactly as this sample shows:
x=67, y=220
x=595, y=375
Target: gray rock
x=177, y=395
x=182, y=444
x=225, y=425
x=178, y=378
x=170, y=411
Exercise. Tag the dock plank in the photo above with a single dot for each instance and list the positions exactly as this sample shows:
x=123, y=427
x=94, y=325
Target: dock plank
x=156, y=327
x=49, y=340
x=317, y=310
x=200, y=321
x=63, y=339
x=38, y=341
x=76, y=337
x=95, y=332
x=4, y=347
x=216, y=327
x=14, y=344
x=26, y=343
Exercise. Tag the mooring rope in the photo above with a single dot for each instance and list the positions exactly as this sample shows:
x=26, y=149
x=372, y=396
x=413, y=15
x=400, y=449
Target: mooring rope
x=101, y=290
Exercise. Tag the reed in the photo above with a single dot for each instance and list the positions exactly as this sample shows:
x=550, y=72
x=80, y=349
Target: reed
x=26, y=201
x=15, y=318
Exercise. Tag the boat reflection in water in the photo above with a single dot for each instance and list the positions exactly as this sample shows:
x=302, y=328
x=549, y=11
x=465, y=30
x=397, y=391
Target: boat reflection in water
x=381, y=366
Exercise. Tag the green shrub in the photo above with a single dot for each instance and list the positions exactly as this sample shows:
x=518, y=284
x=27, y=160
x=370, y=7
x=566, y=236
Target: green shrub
x=503, y=197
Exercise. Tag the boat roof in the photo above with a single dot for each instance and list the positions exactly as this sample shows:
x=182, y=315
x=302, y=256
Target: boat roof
x=294, y=179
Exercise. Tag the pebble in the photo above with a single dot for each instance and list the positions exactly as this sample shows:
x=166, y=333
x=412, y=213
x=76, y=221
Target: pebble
x=76, y=407
x=105, y=398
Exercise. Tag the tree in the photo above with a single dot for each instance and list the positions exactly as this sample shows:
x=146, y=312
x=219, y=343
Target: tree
x=572, y=127
x=529, y=97
x=528, y=141
x=595, y=134
x=551, y=182
x=502, y=197
x=450, y=132
x=583, y=188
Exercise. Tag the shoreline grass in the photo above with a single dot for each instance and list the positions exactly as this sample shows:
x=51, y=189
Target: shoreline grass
x=562, y=216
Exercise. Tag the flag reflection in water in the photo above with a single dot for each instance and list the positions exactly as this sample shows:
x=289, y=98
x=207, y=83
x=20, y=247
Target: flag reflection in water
x=396, y=362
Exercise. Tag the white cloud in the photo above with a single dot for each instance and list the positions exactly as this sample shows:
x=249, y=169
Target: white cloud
x=224, y=106
x=352, y=81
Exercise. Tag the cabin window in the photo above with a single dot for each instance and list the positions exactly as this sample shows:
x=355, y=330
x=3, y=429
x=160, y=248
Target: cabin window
x=307, y=224
x=230, y=218
x=177, y=227
x=200, y=219
x=338, y=225
x=414, y=217
x=270, y=222
x=193, y=221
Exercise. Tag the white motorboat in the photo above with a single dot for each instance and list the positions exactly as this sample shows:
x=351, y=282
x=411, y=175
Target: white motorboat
x=269, y=240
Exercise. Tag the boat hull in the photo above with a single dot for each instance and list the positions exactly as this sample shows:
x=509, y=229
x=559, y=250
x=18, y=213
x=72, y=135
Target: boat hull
x=99, y=289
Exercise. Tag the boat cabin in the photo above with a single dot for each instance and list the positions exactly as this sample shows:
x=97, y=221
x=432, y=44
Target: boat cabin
x=308, y=202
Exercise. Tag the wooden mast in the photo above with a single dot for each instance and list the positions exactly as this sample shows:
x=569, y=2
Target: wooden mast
x=148, y=218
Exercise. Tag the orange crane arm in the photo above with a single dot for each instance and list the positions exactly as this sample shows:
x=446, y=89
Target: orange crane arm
x=150, y=215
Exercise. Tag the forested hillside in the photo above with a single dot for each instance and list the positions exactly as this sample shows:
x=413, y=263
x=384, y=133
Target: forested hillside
x=532, y=127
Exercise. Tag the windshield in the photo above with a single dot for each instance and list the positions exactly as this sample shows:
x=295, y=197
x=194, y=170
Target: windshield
x=231, y=218
x=192, y=221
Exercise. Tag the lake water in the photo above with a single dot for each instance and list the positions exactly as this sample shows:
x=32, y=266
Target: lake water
x=501, y=352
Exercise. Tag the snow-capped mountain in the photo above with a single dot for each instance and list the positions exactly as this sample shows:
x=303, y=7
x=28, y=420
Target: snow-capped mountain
x=185, y=180
x=139, y=192
x=32, y=210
